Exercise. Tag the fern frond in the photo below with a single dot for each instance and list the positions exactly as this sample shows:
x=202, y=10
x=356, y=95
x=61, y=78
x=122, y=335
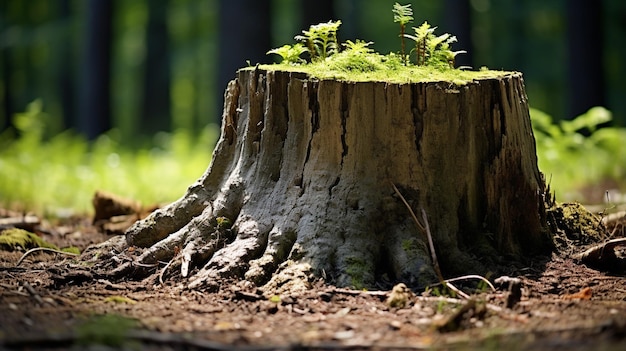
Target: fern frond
x=290, y=53
x=402, y=14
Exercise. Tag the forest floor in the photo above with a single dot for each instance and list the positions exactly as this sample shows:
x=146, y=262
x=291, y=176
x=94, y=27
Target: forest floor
x=50, y=302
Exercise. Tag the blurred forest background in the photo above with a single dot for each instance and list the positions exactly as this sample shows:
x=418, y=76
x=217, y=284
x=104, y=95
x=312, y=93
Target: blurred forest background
x=155, y=65
x=140, y=67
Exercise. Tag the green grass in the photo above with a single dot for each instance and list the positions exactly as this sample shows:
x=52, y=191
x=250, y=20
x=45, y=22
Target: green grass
x=58, y=176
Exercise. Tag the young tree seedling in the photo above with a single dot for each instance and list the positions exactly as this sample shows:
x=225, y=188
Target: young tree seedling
x=402, y=14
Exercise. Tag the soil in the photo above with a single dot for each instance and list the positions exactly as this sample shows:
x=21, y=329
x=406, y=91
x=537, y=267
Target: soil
x=52, y=301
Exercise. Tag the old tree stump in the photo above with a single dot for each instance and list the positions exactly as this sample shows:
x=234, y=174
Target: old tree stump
x=302, y=181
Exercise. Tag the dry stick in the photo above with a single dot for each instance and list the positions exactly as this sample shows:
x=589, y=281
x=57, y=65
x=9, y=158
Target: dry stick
x=419, y=225
x=426, y=230
x=432, y=246
x=47, y=249
x=165, y=269
x=473, y=276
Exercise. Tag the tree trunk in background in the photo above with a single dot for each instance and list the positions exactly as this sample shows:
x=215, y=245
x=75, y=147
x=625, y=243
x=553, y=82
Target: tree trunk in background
x=314, y=12
x=156, y=104
x=302, y=185
x=585, y=56
x=244, y=34
x=65, y=73
x=94, y=110
x=5, y=74
x=458, y=21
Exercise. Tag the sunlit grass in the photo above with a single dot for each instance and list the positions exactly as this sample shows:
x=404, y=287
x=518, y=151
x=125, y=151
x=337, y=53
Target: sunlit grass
x=59, y=176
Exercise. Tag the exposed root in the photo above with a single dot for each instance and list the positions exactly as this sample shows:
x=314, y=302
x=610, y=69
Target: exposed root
x=170, y=219
x=610, y=255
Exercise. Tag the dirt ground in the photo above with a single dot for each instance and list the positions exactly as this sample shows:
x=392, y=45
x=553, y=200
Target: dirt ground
x=53, y=302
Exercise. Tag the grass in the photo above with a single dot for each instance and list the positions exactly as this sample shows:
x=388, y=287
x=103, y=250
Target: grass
x=58, y=176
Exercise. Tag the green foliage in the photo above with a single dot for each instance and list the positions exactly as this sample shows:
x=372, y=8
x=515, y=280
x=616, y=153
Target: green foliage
x=224, y=223
x=58, y=176
x=357, y=57
x=274, y=299
x=431, y=49
x=572, y=160
x=290, y=54
x=402, y=14
x=356, y=270
x=388, y=68
x=321, y=39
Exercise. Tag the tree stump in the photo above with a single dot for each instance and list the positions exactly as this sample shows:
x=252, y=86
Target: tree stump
x=302, y=184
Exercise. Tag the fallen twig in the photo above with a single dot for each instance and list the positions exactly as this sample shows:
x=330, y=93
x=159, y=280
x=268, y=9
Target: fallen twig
x=472, y=276
x=432, y=247
x=165, y=269
x=425, y=228
x=47, y=249
x=417, y=222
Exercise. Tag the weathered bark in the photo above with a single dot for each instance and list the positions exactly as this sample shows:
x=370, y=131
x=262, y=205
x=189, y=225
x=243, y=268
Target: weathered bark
x=305, y=169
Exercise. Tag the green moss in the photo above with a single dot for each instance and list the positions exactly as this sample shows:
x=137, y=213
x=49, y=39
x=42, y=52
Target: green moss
x=275, y=299
x=16, y=239
x=357, y=270
x=571, y=223
x=385, y=72
x=223, y=223
x=356, y=62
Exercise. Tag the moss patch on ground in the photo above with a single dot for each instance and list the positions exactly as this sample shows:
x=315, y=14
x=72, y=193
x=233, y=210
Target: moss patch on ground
x=19, y=239
x=572, y=224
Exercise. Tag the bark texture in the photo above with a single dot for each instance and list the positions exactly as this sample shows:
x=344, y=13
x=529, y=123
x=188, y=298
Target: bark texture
x=301, y=183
